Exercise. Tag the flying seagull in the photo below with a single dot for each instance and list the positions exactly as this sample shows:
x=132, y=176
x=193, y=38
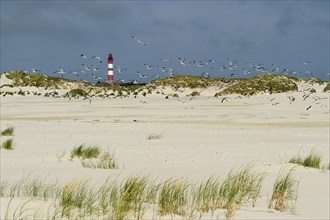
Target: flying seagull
x=142, y=76
x=148, y=67
x=138, y=41
x=60, y=71
x=120, y=69
x=96, y=57
x=35, y=71
x=224, y=99
x=165, y=60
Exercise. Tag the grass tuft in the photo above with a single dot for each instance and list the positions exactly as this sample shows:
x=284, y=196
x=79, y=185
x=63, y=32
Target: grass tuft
x=105, y=161
x=77, y=196
x=173, y=197
x=311, y=160
x=34, y=187
x=85, y=152
x=3, y=187
x=154, y=136
x=285, y=190
x=132, y=196
x=8, y=132
x=240, y=187
x=8, y=144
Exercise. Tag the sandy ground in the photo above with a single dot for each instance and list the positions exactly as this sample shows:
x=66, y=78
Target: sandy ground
x=198, y=138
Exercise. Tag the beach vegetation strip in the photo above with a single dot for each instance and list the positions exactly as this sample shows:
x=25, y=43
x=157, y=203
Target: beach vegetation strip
x=133, y=196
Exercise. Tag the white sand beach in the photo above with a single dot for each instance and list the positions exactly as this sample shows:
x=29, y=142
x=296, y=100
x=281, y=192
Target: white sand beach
x=194, y=138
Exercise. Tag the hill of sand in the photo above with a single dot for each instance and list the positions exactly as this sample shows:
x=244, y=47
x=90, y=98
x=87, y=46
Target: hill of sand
x=155, y=133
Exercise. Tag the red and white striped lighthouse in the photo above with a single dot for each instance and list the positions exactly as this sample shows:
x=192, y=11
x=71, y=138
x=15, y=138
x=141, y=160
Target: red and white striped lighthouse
x=110, y=68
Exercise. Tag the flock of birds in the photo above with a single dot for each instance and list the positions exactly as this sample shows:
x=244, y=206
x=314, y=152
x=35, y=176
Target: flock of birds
x=90, y=69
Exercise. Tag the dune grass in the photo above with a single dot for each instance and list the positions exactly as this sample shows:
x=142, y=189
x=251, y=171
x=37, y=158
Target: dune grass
x=312, y=160
x=327, y=88
x=3, y=187
x=173, y=197
x=85, y=152
x=154, y=136
x=34, y=187
x=8, y=144
x=272, y=83
x=104, y=161
x=240, y=187
x=8, y=132
x=77, y=195
x=285, y=192
x=131, y=197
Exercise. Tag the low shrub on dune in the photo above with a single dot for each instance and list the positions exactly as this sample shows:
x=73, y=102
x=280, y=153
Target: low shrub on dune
x=312, y=160
x=285, y=190
x=327, y=88
x=8, y=144
x=85, y=152
x=268, y=83
x=8, y=132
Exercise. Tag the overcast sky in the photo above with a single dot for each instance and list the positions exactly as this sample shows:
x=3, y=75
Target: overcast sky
x=46, y=35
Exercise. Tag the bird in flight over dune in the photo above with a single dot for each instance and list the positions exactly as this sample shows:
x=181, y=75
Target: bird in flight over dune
x=142, y=76
x=83, y=56
x=306, y=62
x=165, y=60
x=138, y=41
x=36, y=71
x=96, y=57
x=184, y=61
x=120, y=69
x=95, y=68
x=224, y=99
x=148, y=67
x=86, y=67
x=60, y=71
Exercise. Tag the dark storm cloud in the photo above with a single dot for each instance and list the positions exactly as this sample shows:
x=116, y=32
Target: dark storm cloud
x=171, y=25
x=61, y=20
x=273, y=31
x=286, y=20
x=199, y=25
x=292, y=16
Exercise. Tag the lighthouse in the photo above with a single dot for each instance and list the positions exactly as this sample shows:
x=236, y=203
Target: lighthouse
x=110, y=68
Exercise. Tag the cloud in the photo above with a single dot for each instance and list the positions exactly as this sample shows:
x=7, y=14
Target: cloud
x=67, y=21
x=171, y=25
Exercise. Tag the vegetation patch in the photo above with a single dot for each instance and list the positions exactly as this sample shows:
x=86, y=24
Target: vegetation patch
x=269, y=83
x=312, y=160
x=75, y=93
x=285, y=191
x=240, y=187
x=327, y=88
x=8, y=144
x=154, y=136
x=8, y=132
x=85, y=152
x=186, y=81
x=131, y=197
x=104, y=161
x=194, y=93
